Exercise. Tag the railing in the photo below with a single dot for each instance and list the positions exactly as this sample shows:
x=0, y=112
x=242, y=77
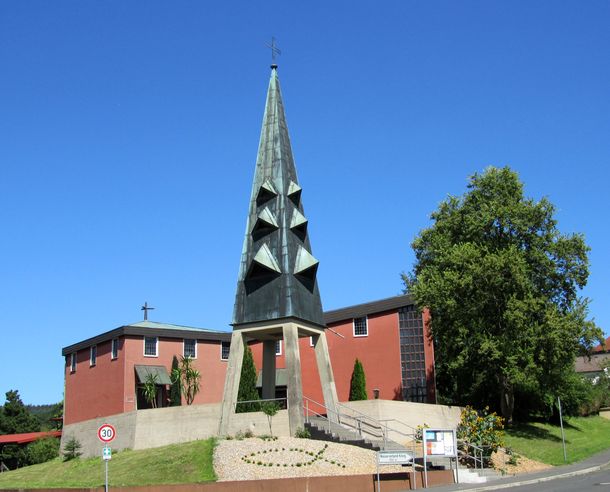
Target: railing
x=283, y=404
x=478, y=457
x=364, y=425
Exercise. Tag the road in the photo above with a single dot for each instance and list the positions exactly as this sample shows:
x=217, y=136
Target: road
x=591, y=482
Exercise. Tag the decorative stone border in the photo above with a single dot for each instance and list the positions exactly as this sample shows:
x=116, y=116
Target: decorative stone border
x=261, y=458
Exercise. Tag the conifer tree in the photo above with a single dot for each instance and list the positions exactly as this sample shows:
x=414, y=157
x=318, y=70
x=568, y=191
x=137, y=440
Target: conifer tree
x=175, y=393
x=247, y=385
x=358, y=384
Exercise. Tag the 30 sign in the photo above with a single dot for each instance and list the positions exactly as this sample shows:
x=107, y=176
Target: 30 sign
x=106, y=433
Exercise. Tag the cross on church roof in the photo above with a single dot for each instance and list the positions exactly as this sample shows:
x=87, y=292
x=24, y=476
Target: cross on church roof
x=145, y=308
x=274, y=51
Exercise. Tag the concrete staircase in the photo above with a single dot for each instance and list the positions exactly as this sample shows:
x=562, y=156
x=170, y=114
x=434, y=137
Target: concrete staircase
x=323, y=430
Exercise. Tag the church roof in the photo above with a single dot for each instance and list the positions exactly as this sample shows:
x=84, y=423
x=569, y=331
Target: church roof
x=150, y=329
x=277, y=277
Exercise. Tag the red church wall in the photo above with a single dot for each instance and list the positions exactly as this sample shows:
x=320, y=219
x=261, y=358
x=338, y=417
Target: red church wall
x=94, y=391
x=379, y=353
x=109, y=387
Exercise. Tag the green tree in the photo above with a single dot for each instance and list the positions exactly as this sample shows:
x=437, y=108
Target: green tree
x=188, y=377
x=247, y=385
x=502, y=286
x=14, y=416
x=42, y=450
x=270, y=409
x=72, y=449
x=175, y=392
x=15, y=419
x=357, y=389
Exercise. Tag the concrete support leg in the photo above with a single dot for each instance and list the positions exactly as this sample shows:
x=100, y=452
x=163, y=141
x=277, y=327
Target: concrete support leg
x=327, y=380
x=293, y=369
x=268, y=369
x=236, y=357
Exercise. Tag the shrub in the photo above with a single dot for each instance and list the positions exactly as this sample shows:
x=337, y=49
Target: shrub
x=72, y=449
x=483, y=429
x=42, y=450
x=302, y=433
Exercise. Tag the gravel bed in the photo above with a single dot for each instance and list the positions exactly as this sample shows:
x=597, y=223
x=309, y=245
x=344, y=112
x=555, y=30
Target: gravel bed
x=281, y=458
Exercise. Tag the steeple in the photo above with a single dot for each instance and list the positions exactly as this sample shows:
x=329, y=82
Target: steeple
x=277, y=276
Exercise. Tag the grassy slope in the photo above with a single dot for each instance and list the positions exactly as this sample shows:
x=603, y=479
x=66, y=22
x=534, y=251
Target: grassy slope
x=585, y=436
x=183, y=463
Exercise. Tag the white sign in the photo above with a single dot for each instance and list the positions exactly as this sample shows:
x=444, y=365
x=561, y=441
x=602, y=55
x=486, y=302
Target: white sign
x=394, y=457
x=439, y=442
x=106, y=453
x=106, y=433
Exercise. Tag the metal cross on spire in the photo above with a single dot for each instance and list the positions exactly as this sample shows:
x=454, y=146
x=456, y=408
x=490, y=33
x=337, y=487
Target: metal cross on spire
x=145, y=308
x=274, y=51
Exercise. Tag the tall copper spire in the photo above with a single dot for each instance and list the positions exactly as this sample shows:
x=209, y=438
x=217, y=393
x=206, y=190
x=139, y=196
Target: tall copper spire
x=277, y=276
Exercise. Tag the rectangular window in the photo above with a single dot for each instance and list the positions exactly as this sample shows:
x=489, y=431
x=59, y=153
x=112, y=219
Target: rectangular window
x=278, y=347
x=361, y=328
x=225, y=348
x=150, y=346
x=115, y=348
x=190, y=348
x=92, y=355
x=73, y=362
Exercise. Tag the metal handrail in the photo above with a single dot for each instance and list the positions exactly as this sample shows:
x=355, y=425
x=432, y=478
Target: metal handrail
x=362, y=423
x=261, y=401
x=476, y=457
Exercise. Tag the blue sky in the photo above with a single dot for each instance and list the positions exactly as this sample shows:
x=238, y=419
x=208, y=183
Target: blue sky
x=129, y=133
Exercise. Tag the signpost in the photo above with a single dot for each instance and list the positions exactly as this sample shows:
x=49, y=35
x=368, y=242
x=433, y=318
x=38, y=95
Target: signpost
x=106, y=433
x=439, y=442
x=395, y=458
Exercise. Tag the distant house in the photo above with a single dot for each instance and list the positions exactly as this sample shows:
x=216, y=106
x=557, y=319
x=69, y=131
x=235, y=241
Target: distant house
x=104, y=374
x=591, y=367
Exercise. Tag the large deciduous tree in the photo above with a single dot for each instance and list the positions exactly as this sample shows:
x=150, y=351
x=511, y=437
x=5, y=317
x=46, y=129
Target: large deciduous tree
x=502, y=286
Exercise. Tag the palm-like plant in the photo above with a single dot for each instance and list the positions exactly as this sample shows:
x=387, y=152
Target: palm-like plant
x=150, y=389
x=188, y=377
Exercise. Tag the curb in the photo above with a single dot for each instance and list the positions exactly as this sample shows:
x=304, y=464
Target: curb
x=539, y=480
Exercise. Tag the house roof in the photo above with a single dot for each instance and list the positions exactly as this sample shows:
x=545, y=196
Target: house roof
x=590, y=364
x=599, y=348
x=368, y=308
x=27, y=437
x=167, y=330
x=151, y=329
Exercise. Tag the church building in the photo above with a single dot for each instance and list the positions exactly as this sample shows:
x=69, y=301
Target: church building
x=300, y=351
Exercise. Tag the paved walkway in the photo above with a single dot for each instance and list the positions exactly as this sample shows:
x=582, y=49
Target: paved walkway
x=589, y=465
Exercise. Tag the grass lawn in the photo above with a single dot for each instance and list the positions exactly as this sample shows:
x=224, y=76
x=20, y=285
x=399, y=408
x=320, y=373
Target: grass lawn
x=585, y=436
x=180, y=463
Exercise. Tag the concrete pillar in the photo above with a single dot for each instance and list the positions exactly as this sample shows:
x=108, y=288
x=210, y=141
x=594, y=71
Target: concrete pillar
x=268, y=369
x=236, y=358
x=294, y=384
x=327, y=380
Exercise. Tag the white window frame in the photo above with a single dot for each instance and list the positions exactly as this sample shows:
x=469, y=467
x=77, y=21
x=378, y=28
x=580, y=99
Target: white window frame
x=184, y=340
x=227, y=344
x=156, y=347
x=366, y=324
x=114, y=349
x=73, y=362
x=278, y=347
x=92, y=355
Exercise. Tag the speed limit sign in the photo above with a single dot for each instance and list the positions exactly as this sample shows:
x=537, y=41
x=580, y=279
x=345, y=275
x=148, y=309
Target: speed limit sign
x=106, y=433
